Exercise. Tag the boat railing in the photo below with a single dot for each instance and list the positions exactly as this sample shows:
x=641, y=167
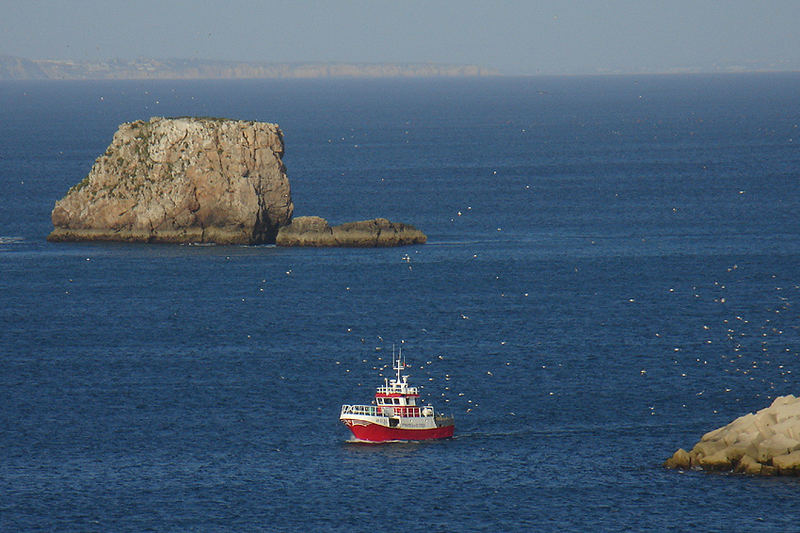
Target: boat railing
x=397, y=390
x=368, y=410
x=401, y=411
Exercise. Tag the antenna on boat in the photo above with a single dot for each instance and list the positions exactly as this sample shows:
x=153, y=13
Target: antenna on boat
x=397, y=361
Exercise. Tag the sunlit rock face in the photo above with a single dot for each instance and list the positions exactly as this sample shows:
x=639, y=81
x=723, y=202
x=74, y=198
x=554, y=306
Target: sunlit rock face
x=182, y=180
x=766, y=443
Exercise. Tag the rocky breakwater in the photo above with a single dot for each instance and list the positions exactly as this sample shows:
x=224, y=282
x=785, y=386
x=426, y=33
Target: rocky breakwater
x=315, y=231
x=181, y=180
x=766, y=442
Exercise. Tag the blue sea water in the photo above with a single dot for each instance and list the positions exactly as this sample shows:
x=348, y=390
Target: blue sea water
x=613, y=269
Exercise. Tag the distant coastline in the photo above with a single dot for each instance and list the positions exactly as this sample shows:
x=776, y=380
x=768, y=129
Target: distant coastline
x=18, y=68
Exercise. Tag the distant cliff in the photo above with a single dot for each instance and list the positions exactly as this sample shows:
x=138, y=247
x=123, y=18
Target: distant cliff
x=143, y=68
x=18, y=68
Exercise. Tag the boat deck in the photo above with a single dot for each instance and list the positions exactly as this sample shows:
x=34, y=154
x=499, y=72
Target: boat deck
x=398, y=411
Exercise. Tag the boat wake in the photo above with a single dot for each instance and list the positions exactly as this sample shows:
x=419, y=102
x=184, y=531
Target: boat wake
x=373, y=442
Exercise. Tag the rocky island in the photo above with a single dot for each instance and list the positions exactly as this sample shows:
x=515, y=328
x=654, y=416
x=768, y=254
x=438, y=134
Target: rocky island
x=202, y=180
x=763, y=443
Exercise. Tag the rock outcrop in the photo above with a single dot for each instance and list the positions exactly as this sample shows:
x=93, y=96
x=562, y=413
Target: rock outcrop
x=766, y=442
x=182, y=180
x=195, y=180
x=315, y=231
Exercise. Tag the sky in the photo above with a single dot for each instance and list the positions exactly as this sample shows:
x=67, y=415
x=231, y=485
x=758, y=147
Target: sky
x=515, y=37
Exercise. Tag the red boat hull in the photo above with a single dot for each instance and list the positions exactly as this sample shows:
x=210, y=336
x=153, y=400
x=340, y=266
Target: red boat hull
x=377, y=433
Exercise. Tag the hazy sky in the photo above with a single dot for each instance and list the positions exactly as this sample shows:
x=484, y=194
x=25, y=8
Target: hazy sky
x=515, y=37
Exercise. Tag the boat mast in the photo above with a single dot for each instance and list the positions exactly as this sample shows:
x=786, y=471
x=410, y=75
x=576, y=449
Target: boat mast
x=399, y=364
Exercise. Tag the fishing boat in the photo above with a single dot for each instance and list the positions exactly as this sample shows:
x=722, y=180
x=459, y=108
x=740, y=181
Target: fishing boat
x=394, y=414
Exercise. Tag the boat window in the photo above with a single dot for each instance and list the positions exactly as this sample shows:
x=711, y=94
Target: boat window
x=397, y=401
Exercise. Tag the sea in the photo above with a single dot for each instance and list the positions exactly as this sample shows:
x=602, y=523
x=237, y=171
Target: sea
x=612, y=270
